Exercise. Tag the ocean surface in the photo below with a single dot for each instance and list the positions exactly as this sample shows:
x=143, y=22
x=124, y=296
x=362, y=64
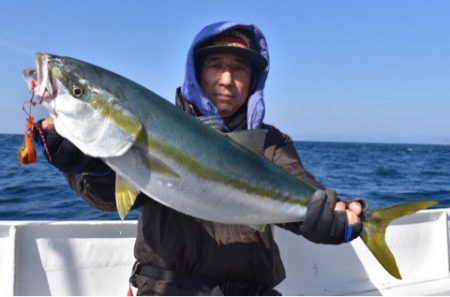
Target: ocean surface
x=383, y=174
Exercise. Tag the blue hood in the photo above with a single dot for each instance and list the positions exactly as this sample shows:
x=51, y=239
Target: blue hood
x=193, y=93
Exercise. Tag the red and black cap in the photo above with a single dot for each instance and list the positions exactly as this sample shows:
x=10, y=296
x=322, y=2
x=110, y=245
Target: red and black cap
x=233, y=41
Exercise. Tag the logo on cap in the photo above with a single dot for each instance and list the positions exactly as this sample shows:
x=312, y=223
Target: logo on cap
x=235, y=41
x=232, y=38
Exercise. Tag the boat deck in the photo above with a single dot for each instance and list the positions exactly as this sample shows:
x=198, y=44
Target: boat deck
x=95, y=258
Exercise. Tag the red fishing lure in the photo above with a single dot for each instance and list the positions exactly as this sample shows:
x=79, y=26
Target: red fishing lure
x=27, y=153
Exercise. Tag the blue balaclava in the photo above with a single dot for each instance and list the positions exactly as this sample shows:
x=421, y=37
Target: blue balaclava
x=192, y=91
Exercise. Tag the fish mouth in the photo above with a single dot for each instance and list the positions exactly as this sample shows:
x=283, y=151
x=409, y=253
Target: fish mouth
x=40, y=80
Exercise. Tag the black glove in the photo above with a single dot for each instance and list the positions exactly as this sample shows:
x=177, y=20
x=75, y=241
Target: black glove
x=64, y=155
x=325, y=225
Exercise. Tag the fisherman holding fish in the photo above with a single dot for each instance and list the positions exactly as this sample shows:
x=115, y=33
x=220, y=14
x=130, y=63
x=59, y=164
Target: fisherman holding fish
x=178, y=254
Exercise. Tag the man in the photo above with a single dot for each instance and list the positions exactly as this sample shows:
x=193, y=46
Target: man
x=177, y=254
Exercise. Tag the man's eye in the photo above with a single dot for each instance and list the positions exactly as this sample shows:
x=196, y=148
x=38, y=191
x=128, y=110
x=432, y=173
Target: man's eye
x=240, y=69
x=215, y=65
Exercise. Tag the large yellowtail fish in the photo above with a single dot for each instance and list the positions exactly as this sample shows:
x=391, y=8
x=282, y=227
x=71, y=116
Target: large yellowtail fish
x=177, y=159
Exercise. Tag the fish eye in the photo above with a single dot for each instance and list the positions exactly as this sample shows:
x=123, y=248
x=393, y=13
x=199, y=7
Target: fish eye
x=77, y=91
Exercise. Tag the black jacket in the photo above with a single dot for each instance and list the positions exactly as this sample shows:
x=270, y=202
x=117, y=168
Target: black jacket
x=172, y=240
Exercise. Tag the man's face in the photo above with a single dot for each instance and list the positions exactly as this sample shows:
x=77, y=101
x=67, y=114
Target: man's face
x=225, y=80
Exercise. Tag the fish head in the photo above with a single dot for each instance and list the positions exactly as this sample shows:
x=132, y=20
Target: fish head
x=86, y=102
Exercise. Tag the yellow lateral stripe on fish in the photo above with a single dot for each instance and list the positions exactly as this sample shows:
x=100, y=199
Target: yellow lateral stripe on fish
x=107, y=110
x=133, y=127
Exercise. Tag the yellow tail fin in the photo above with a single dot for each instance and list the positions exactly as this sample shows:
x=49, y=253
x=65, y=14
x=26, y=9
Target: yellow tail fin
x=375, y=224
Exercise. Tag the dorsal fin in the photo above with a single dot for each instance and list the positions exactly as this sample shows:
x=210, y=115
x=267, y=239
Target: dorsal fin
x=214, y=121
x=254, y=140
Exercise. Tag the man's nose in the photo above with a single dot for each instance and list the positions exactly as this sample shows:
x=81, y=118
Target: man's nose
x=226, y=77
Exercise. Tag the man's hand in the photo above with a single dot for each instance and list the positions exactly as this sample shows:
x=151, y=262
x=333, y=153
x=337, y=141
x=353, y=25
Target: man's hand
x=331, y=221
x=47, y=124
x=64, y=155
x=353, y=210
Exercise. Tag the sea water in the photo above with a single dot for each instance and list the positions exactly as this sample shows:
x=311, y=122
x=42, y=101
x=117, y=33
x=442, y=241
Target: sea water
x=383, y=174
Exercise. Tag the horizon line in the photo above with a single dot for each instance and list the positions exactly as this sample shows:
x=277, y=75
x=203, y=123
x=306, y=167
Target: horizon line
x=335, y=141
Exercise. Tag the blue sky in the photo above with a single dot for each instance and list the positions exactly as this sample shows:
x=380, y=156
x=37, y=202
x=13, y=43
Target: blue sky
x=365, y=71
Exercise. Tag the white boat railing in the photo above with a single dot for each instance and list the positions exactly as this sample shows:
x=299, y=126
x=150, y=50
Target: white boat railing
x=420, y=244
x=95, y=258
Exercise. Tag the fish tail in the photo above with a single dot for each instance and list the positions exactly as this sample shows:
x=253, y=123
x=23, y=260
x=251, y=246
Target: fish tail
x=375, y=224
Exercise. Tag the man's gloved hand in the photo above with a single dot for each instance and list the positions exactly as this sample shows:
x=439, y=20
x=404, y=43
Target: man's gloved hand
x=327, y=219
x=63, y=154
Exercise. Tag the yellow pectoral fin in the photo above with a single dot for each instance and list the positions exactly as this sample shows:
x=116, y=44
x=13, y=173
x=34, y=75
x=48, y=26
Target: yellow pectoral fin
x=125, y=196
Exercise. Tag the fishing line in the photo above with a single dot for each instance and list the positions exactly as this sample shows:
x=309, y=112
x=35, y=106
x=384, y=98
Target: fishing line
x=31, y=103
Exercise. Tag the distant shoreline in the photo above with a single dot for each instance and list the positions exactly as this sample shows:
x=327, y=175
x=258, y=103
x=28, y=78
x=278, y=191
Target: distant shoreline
x=371, y=142
x=329, y=141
